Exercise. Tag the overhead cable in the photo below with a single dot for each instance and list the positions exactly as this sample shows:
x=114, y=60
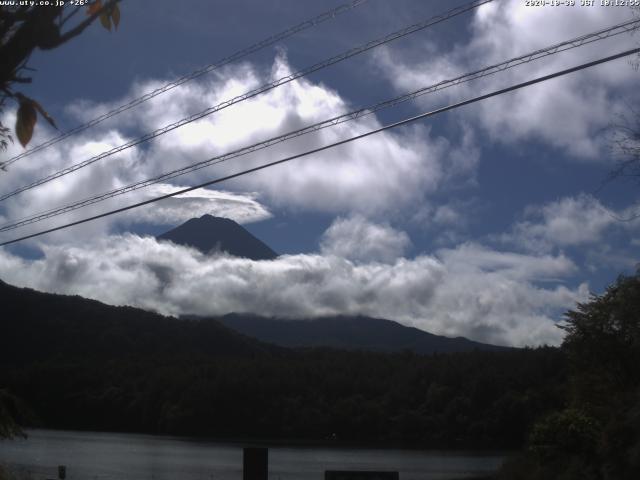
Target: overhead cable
x=332, y=145
x=312, y=22
x=253, y=93
x=353, y=115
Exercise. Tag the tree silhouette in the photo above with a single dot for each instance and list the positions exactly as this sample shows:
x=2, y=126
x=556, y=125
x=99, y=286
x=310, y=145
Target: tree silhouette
x=625, y=134
x=12, y=413
x=603, y=339
x=23, y=28
x=597, y=435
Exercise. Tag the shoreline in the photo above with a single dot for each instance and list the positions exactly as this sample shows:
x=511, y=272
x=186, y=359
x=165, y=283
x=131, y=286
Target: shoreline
x=289, y=442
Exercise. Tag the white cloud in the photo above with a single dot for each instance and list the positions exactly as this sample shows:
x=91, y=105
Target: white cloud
x=242, y=208
x=383, y=173
x=446, y=215
x=473, y=258
x=568, y=113
x=360, y=240
x=469, y=291
x=450, y=222
x=570, y=221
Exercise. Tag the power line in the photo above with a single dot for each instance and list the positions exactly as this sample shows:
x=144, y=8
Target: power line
x=312, y=22
x=253, y=93
x=486, y=71
x=335, y=144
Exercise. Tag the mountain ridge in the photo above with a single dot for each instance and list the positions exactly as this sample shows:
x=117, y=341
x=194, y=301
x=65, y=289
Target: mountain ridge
x=209, y=234
x=230, y=334
x=349, y=333
x=46, y=324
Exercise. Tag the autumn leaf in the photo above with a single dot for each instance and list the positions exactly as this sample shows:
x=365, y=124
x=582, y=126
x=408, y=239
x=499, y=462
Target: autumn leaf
x=28, y=116
x=115, y=15
x=44, y=114
x=106, y=16
x=25, y=121
x=94, y=7
x=105, y=20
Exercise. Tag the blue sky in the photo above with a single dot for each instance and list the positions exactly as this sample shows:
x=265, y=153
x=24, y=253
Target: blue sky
x=487, y=221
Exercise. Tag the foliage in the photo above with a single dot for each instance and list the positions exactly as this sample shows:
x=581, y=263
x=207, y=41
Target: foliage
x=603, y=342
x=25, y=27
x=598, y=437
x=12, y=413
x=84, y=365
x=624, y=138
x=568, y=432
x=624, y=135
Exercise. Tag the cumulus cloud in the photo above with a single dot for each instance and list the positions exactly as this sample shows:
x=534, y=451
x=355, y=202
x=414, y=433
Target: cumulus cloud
x=567, y=113
x=450, y=221
x=570, y=221
x=360, y=240
x=382, y=174
x=470, y=291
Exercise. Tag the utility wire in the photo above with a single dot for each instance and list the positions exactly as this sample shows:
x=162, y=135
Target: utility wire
x=312, y=22
x=253, y=93
x=486, y=71
x=335, y=144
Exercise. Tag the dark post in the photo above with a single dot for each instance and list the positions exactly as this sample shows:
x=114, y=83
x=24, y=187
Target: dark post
x=255, y=463
x=62, y=472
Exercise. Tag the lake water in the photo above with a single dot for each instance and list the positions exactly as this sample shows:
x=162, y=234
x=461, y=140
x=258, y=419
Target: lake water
x=116, y=456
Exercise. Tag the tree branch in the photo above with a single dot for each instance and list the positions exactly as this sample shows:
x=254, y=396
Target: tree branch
x=65, y=19
x=78, y=29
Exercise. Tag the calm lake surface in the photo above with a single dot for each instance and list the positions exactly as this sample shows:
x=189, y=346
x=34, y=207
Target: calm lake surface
x=117, y=456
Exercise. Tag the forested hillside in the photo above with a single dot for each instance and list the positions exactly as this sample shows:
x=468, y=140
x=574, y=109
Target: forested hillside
x=81, y=364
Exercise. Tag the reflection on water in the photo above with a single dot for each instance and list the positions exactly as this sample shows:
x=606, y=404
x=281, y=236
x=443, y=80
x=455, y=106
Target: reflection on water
x=116, y=456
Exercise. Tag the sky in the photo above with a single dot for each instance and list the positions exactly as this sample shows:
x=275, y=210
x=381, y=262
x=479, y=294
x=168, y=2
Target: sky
x=489, y=221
